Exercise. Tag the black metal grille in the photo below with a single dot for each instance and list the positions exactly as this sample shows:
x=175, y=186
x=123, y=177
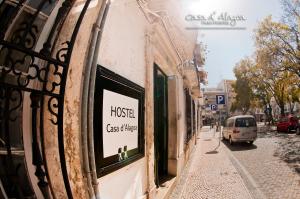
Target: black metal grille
x=41, y=75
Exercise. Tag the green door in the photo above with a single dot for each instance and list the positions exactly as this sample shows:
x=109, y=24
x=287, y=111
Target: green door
x=160, y=124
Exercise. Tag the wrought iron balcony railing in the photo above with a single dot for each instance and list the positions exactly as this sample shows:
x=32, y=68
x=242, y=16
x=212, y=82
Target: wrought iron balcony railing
x=37, y=75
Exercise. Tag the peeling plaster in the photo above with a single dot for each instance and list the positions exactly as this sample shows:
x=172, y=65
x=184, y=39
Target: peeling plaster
x=71, y=115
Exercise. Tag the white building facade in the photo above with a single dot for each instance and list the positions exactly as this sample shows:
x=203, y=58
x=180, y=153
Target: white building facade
x=99, y=99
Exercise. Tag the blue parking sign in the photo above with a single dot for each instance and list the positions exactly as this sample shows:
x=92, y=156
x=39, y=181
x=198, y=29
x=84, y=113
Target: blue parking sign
x=214, y=107
x=220, y=99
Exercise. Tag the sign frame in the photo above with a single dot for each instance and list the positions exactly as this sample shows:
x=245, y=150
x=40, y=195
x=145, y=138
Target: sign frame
x=223, y=99
x=108, y=80
x=213, y=107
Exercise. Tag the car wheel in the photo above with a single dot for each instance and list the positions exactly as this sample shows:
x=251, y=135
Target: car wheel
x=251, y=142
x=298, y=131
x=230, y=141
x=289, y=129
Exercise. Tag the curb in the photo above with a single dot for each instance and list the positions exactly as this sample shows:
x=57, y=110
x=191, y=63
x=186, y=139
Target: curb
x=249, y=182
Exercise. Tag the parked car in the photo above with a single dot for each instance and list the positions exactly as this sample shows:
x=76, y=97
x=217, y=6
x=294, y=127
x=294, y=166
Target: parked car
x=288, y=124
x=241, y=128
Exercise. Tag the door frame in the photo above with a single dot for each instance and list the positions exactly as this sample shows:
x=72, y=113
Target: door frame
x=155, y=70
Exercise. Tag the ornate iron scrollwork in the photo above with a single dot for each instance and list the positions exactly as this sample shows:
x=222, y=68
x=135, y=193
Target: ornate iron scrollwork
x=53, y=108
x=11, y=101
x=10, y=11
x=22, y=69
x=37, y=159
x=16, y=98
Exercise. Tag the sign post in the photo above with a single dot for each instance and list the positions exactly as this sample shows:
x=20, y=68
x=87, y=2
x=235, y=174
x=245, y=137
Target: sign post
x=220, y=100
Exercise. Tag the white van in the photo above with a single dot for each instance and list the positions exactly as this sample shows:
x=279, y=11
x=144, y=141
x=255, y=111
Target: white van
x=240, y=128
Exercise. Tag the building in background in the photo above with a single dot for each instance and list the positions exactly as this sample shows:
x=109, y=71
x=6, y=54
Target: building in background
x=293, y=109
x=214, y=110
x=226, y=86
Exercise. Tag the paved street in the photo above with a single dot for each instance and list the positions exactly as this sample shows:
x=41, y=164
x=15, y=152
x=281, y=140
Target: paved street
x=273, y=162
x=267, y=169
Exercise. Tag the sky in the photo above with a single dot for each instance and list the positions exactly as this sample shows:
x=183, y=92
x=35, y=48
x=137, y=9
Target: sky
x=226, y=47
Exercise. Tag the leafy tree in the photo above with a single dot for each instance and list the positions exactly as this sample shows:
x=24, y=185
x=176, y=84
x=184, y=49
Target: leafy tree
x=274, y=70
x=278, y=86
x=258, y=81
x=281, y=42
x=271, y=81
x=261, y=94
x=293, y=96
x=241, y=87
x=291, y=13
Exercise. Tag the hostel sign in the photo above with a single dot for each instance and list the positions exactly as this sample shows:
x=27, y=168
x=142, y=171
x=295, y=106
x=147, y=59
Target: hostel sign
x=118, y=121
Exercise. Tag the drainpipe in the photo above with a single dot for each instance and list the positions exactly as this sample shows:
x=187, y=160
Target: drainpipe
x=88, y=102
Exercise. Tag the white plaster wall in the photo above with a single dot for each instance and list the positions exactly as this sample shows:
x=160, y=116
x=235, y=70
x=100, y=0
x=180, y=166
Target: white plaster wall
x=126, y=183
x=182, y=120
x=176, y=11
x=122, y=50
x=123, y=42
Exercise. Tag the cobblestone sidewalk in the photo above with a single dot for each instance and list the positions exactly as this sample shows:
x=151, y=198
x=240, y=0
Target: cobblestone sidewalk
x=210, y=173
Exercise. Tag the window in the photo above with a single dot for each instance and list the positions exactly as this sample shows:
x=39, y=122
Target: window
x=188, y=111
x=285, y=119
x=245, y=122
x=194, y=117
